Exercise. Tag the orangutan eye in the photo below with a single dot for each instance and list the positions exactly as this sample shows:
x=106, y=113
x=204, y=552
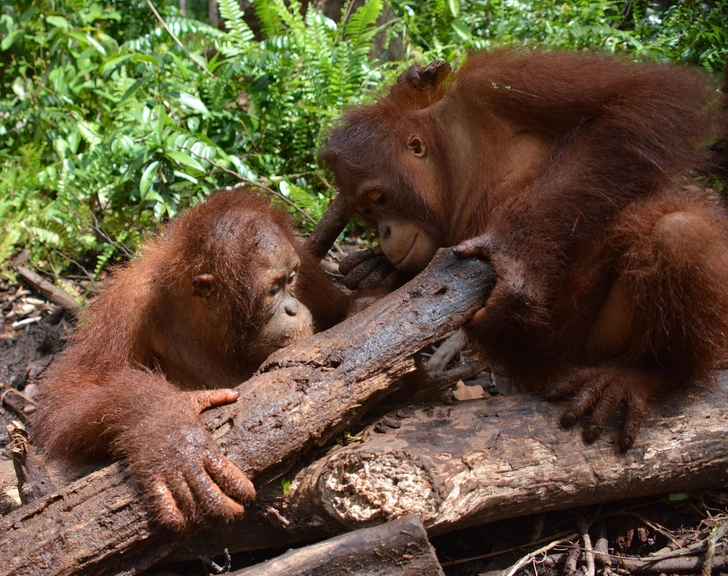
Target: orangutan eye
x=379, y=199
x=366, y=212
x=292, y=278
x=275, y=289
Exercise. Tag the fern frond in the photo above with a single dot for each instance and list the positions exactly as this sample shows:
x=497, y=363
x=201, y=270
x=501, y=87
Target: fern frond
x=270, y=23
x=361, y=25
x=239, y=32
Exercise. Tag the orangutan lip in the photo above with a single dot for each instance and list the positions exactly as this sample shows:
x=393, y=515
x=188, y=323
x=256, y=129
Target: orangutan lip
x=408, y=252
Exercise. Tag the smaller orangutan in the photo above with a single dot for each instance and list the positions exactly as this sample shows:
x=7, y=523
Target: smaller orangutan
x=204, y=304
x=568, y=173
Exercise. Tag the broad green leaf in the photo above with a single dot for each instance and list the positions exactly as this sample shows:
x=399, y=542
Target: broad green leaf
x=130, y=92
x=186, y=159
x=193, y=102
x=10, y=38
x=86, y=39
x=145, y=181
x=185, y=176
x=161, y=113
x=193, y=123
x=461, y=30
x=58, y=22
x=113, y=63
x=181, y=66
x=678, y=497
x=454, y=6
x=26, y=16
x=145, y=58
x=74, y=139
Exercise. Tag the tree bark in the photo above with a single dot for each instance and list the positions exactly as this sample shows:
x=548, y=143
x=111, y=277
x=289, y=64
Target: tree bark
x=398, y=548
x=213, y=13
x=301, y=397
x=482, y=461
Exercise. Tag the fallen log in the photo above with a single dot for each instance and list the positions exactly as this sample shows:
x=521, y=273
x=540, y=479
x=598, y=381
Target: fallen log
x=398, y=548
x=46, y=289
x=482, y=461
x=301, y=397
x=487, y=460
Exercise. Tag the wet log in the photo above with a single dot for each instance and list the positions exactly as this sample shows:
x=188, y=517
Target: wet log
x=487, y=460
x=301, y=397
x=398, y=548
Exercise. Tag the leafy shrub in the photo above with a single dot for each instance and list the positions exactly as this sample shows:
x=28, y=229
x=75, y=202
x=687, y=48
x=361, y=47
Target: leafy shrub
x=102, y=141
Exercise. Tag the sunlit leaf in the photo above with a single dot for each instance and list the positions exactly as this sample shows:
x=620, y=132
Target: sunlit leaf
x=454, y=6
x=192, y=102
x=58, y=22
x=186, y=159
x=461, y=30
x=145, y=181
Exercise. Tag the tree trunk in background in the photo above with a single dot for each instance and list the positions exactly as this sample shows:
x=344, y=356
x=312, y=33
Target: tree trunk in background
x=213, y=13
x=332, y=9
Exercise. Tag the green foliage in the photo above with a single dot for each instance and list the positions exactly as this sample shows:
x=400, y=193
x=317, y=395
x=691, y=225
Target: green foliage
x=103, y=135
x=684, y=31
x=111, y=122
x=300, y=77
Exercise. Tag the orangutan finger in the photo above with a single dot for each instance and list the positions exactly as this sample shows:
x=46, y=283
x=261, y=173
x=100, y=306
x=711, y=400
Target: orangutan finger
x=204, y=399
x=167, y=511
x=353, y=260
x=583, y=402
x=478, y=246
x=608, y=402
x=354, y=278
x=210, y=499
x=376, y=276
x=230, y=479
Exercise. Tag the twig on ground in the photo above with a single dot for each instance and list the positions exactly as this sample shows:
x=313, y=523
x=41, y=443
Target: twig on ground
x=583, y=527
x=716, y=534
x=565, y=535
x=531, y=555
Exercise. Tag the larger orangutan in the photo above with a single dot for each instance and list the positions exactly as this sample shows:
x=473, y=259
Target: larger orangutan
x=170, y=335
x=564, y=170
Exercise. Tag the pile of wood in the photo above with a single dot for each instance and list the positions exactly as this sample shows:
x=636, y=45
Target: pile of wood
x=450, y=466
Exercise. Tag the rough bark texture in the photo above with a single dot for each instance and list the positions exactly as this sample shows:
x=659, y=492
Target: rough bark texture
x=34, y=481
x=487, y=460
x=302, y=397
x=398, y=548
x=482, y=461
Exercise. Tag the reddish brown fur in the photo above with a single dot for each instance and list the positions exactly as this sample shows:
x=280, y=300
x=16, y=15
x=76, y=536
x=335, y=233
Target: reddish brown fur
x=589, y=273
x=117, y=390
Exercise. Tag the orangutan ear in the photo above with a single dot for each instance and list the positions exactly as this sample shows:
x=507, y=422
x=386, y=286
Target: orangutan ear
x=203, y=285
x=417, y=145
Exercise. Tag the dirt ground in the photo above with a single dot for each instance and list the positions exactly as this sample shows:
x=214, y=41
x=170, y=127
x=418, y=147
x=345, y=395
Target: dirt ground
x=678, y=529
